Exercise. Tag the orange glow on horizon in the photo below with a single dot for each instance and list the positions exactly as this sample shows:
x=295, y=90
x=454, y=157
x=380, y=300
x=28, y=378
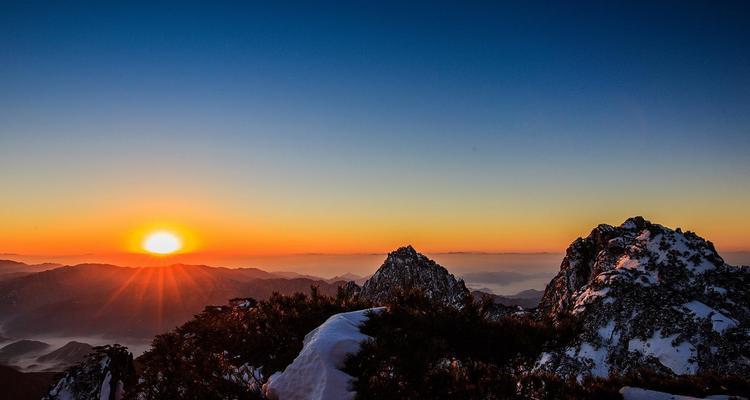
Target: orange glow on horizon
x=211, y=237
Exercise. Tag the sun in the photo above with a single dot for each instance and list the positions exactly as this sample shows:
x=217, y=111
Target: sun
x=162, y=242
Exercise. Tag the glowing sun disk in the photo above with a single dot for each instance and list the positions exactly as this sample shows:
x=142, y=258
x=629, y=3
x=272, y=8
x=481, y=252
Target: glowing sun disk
x=162, y=242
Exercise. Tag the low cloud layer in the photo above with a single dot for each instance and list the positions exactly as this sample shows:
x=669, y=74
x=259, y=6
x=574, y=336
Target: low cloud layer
x=504, y=277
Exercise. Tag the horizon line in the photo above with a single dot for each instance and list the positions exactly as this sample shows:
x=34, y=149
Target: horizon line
x=364, y=253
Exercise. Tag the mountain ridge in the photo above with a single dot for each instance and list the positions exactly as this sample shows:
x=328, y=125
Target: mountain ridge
x=116, y=301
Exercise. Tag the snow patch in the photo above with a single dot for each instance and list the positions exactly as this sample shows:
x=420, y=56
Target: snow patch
x=598, y=357
x=625, y=262
x=104, y=392
x=607, y=332
x=654, y=247
x=587, y=296
x=647, y=278
x=544, y=359
x=315, y=373
x=677, y=358
x=633, y=393
x=719, y=290
x=644, y=236
x=719, y=321
x=629, y=225
x=699, y=309
x=62, y=390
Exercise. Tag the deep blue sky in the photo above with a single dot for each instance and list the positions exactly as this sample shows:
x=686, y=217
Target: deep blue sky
x=475, y=114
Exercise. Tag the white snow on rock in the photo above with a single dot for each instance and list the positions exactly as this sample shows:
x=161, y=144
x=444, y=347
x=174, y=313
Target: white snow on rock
x=104, y=392
x=62, y=391
x=597, y=357
x=315, y=373
x=587, y=296
x=719, y=290
x=678, y=358
x=638, y=265
x=607, y=332
x=632, y=393
x=543, y=360
x=719, y=321
x=629, y=225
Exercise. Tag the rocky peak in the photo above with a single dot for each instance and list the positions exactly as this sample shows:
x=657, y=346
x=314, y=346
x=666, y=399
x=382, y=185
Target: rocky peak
x=637, y=251
x=406, y=269
x=405, y=252
x=648, y=296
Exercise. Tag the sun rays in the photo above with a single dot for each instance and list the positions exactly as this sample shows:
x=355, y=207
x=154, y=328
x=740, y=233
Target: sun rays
x=153, y=290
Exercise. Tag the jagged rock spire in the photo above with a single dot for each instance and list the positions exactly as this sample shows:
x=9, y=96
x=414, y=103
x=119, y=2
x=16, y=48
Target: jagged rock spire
x=405, y=269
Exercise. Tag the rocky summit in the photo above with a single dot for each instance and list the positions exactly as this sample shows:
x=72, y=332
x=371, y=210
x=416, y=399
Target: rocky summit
x=647, y=296
x=404, y=270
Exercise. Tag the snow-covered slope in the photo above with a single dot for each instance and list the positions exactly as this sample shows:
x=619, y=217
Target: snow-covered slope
x=101, y=376
x=315, y=373
x=649, y=297
x=405, y=269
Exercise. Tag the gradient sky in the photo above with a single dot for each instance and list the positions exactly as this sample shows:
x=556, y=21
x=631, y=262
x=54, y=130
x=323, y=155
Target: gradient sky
x=356, y=128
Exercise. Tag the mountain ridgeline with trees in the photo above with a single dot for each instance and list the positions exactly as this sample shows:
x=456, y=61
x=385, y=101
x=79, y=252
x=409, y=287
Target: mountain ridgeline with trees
x=638, y=305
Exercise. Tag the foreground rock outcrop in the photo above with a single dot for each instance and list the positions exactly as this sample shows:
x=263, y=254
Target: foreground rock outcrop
x=103, y=375
x=649, y=297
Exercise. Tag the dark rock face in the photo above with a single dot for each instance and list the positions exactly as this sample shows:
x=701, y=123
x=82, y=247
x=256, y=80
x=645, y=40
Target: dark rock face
x=405, y=269
x=103, y=375
x=649, y=297
x=350, y=290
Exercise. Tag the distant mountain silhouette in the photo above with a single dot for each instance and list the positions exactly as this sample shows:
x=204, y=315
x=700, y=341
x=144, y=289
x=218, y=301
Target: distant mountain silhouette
x=13, y=269
x=72, y=353
x=102, y=299
x=528, y=294
x=526, y=298
x=346, y=277
x=295, y=275
x=11, y=353
x=360, y=280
